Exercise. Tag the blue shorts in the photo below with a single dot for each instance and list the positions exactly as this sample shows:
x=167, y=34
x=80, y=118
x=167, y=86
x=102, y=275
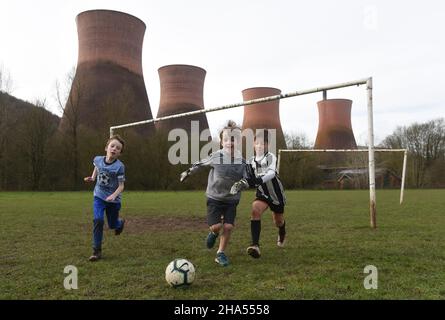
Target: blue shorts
x=100, y=207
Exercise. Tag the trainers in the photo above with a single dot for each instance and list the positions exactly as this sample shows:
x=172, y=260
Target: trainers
x=97, y=254
x=254, y=252
x=118, y=231
x=211, y=239
x=281, y=242
x=222, y=259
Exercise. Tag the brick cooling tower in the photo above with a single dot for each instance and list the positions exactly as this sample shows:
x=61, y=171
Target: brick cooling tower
x=182, y=88
x=108, y=87
x=264, y=115
x=334, y=126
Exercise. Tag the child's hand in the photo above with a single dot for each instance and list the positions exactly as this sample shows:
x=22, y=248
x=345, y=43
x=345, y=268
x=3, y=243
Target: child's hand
x=110, y=198
x=88, y=179
x=184, y=175
x=255, y=181
x=238, y=186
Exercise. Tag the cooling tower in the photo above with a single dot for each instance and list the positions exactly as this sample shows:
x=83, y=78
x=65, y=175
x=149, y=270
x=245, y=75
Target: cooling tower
x=108, y=87
x=334, y=126
x=264, y=115
x=182, y=89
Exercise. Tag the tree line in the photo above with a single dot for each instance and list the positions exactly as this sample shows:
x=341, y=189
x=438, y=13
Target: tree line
x=426, y=152
x=36, y=155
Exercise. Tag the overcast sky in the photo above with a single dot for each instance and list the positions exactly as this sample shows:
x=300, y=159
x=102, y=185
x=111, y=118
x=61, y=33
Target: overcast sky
x=288, y=44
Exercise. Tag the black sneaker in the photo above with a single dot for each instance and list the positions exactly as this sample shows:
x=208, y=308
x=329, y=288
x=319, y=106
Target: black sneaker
x=254, y=252
x=97, y=255
x=119, y=230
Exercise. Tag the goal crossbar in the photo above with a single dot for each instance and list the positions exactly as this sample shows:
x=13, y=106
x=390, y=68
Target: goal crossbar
x=405, y=154
x=244, y=103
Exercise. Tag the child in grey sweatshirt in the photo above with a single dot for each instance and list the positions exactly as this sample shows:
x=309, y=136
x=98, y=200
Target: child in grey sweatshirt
x=227, y=166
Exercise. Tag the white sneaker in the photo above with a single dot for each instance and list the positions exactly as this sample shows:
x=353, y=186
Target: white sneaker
x=279, y=243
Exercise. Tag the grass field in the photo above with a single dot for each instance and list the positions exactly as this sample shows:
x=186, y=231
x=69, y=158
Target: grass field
x=329, y=244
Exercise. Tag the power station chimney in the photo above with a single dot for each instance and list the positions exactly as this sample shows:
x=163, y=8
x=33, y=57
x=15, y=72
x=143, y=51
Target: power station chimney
x=334, y=126
x=108, y=87
x=182, y=90
x=264, y=115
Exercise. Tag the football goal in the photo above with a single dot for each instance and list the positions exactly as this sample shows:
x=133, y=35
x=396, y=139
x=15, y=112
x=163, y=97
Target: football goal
x=367, y=82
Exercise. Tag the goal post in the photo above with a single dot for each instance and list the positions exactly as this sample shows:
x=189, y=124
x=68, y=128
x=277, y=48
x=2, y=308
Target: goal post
x=405, y=153
x=323, y=89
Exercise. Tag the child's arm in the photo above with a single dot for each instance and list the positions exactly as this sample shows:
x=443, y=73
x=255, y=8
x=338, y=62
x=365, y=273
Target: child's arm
x=249, y=180
x=197, y=166
x=92, y=177
x=114, y=195
x=271, y=170
x=253, y=181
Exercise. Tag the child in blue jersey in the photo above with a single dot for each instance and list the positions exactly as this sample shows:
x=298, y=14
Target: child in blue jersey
x=226, y=167
x=110, y=174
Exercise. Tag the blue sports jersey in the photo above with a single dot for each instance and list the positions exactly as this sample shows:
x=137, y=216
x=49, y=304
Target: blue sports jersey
x=108, y=177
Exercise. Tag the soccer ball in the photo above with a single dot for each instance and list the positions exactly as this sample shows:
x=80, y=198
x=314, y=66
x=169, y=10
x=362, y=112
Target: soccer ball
x=103, y=178
x=180, y=272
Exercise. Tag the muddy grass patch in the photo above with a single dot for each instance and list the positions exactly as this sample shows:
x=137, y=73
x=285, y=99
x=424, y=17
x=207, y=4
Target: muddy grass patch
x=145, y=224
x=139, y=225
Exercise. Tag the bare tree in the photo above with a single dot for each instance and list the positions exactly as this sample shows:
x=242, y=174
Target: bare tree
x=70, y=96
x=299, y=170
x=425, y=143
x=6, y=83
x=3, y=141
x=297, y=141
x=38, y=129
x=5, y=87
